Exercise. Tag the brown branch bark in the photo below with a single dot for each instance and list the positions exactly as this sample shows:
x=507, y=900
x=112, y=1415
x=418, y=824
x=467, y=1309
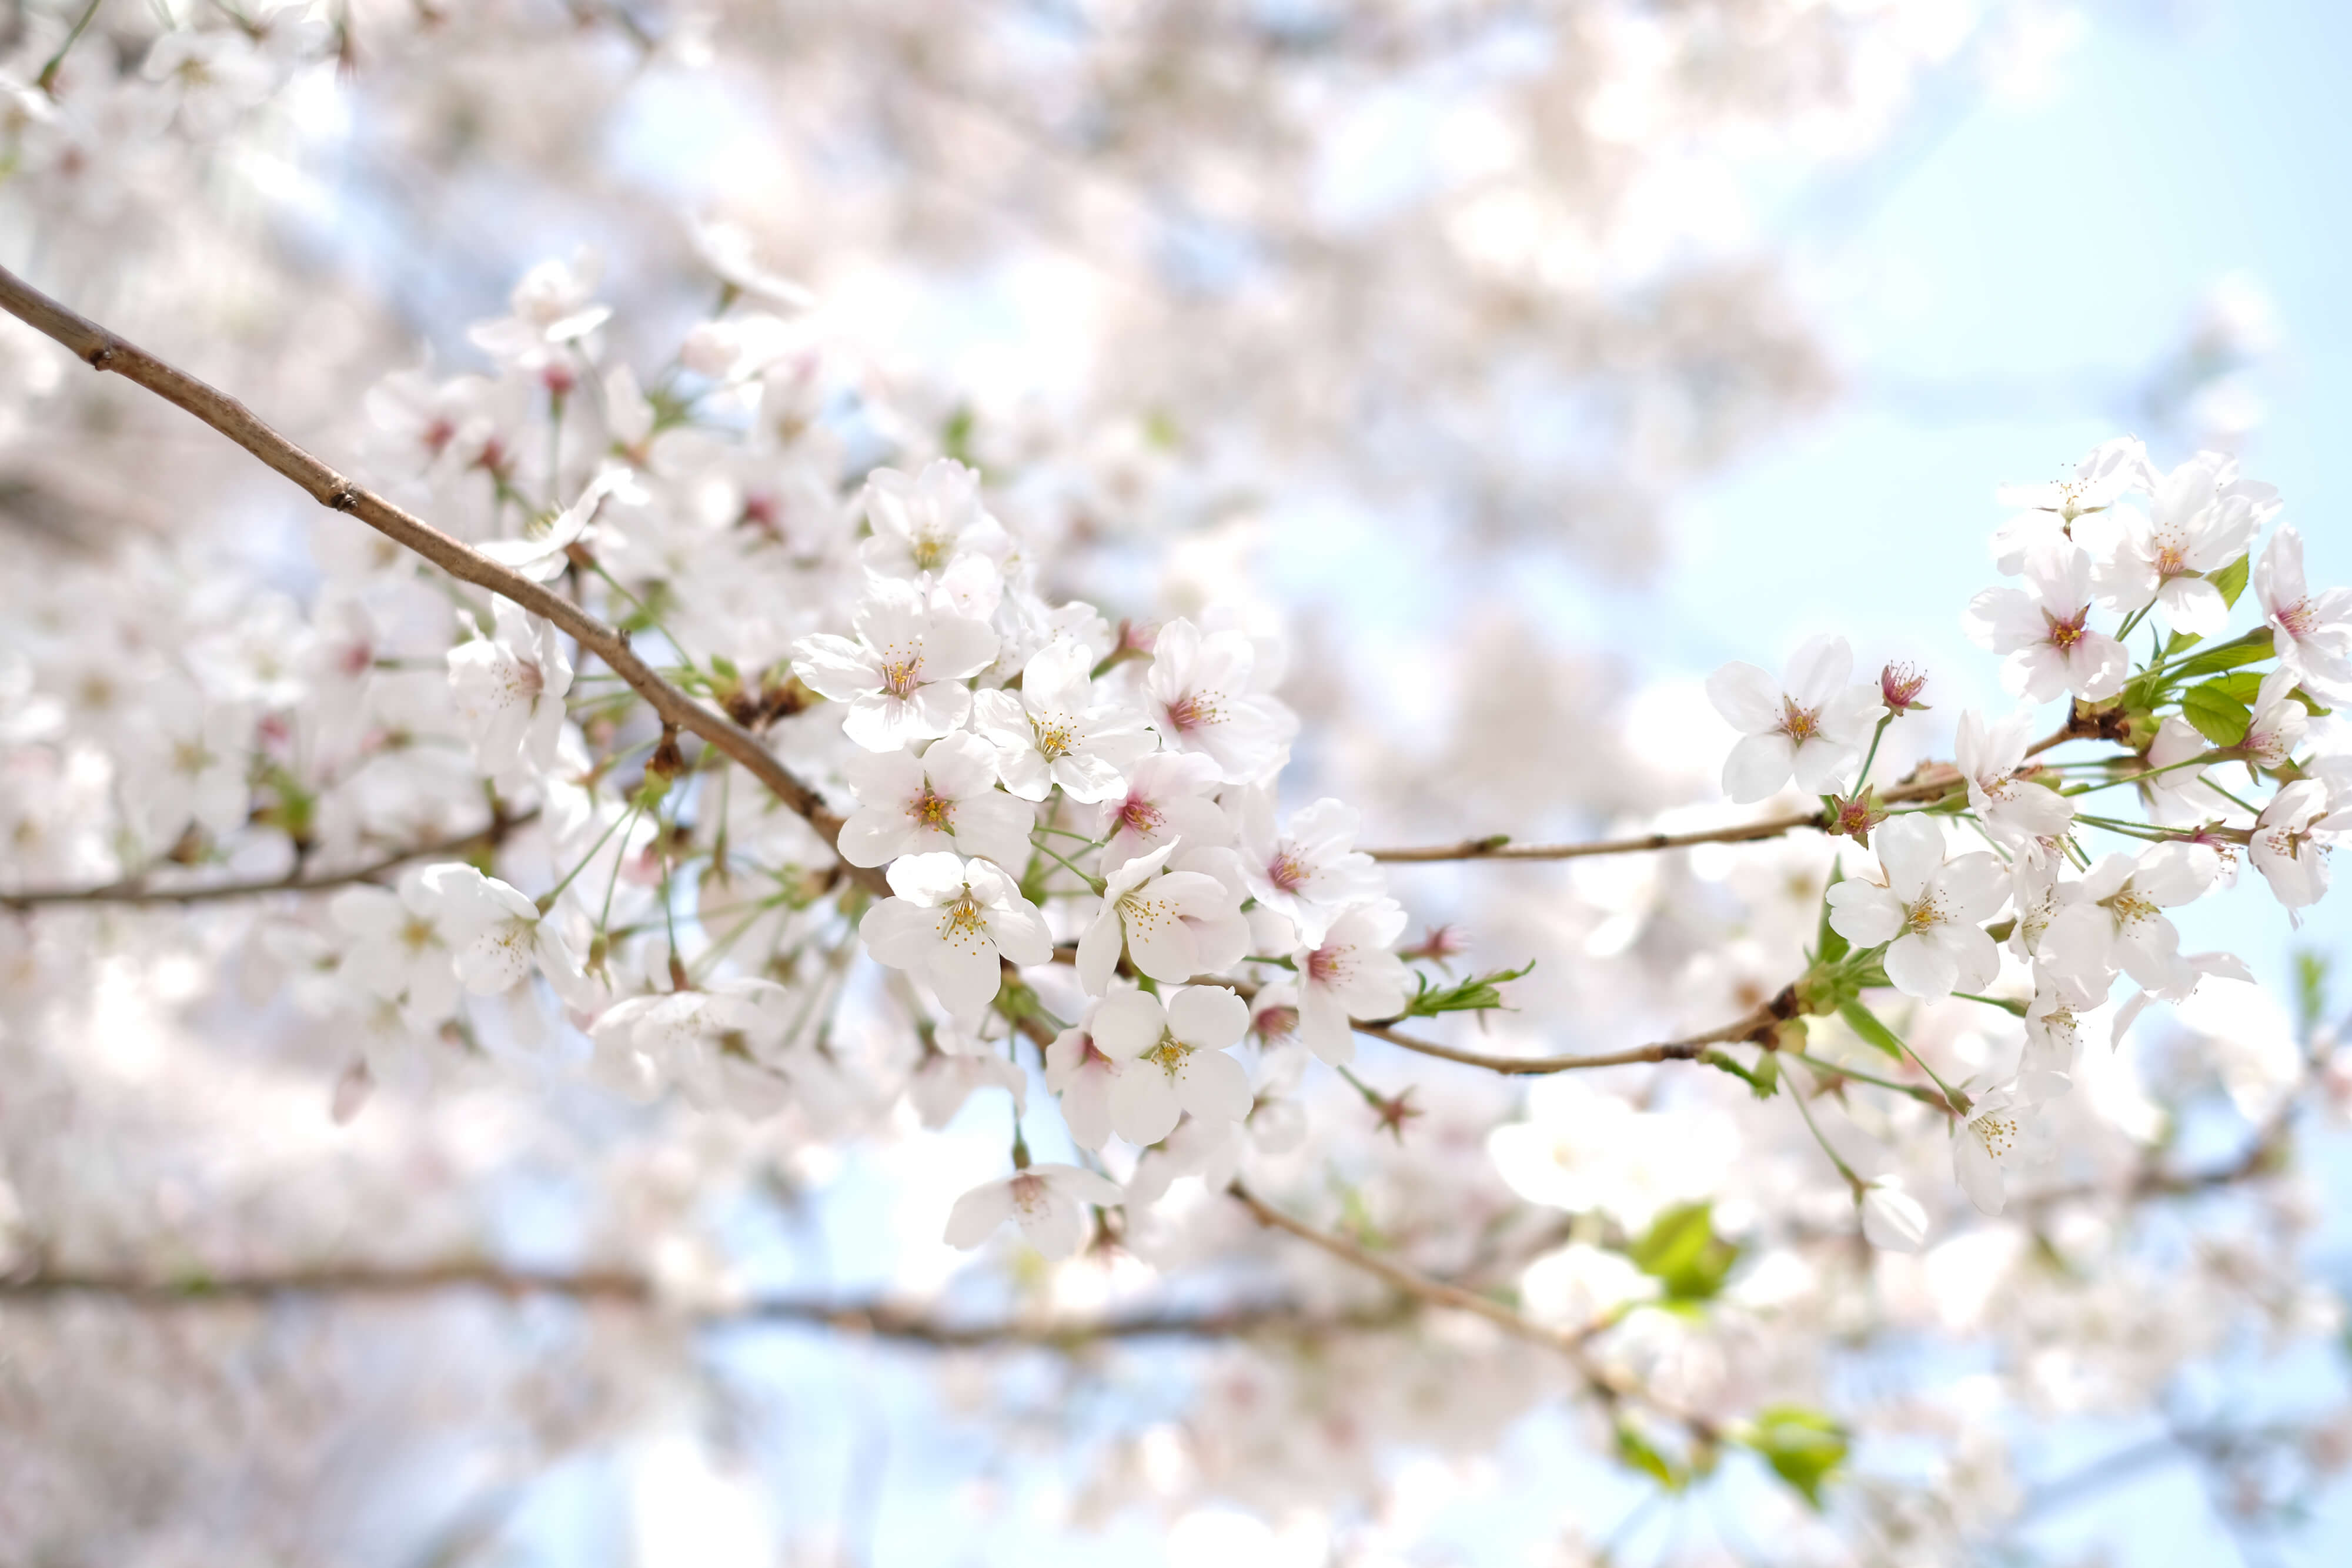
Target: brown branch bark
x=882, y=1320
x=104, y=350
x=134, y=891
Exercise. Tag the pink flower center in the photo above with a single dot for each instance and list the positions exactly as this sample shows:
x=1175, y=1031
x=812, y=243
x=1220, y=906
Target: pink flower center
x=2295, y=619
x=1194, y=710
x=1288, y=872
x=1799, y=723
x=901, y=676
x=1326, y=964
x=1140, y=816
x=2064, y=634
x=933, y=812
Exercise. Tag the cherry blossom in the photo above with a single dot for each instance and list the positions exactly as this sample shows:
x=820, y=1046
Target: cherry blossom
x=1353, y=973
x=1892, y=1220
x=1049, y=1200
x=497, y=937
x=189, y=763
x=1200, y=700
x=2280, y=722
x=1811, y=723
x=955, y=921
x=1929, y=911
x=1989, y=1143
x=510, y=687
x=2117, y=920
x=2292, y=839
x=1173, y=924
x=927, y=524
x=1170, y=796
x=2204, y=518
x=398, y=951
x=944, y=798
x=2044, y=630
x=2311, y=633
x=1991, y=757
x=1308, y=871
x=1051, y=733
x=902, y=677
x=2110, y=471
x=1077, y=1071
x=1172, y=1058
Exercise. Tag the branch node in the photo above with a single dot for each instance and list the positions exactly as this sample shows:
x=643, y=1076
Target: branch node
x=102, y=357
x=344, y=499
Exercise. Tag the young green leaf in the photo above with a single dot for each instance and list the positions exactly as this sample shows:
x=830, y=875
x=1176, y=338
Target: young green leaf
x=2231, y=578
x=1477, y=994
x=1803, y=1447
x=2219, y=717
x=1682, y=1253
x=1642, y=1454
x=1828, y=946
x=1865, y=1022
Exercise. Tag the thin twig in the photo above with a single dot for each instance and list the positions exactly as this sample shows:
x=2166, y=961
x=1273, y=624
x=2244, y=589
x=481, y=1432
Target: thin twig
x=882, y=1320
x=103, y=351
x=134, y=890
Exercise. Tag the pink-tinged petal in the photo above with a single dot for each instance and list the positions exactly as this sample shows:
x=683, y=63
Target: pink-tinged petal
x=889, y=779
x=899, y=934
x=1213, y=1086
x=1918, y=968
x=1821, y=767
x=2038, y=672
x=1127, y=1024
x=955, y=648
x=1054, y=1226
x=1971, y=888
x=967, y=977
x=1818, y=669
x=1143, y=1107
x=1747, y=698
x=1209, y=1017
x=1323, y=1027
x=835, y=667
x=2002, y=619
x=1132, y=874
x=1057, y=677
x=1161, y=945
x=873, y=836
x=1974, y=1168
x=1098, y=949
x=1976, y=960
x=995, y=827
x=1000, y=718
x=1080, y=1185
x=2176, y=873
x=1020, y=933
x=1864, y=913
x=976, y=1213
x=1911, y=848
x=1085, y=1107
x=1087, y=779
x=1758, y=767
x=938, y=708
x=928, y=879
x=2096, y=665
x=2193, y=605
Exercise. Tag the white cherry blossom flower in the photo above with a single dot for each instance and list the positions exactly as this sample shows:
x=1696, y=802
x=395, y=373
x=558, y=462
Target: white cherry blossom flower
x=1173, y=926
x=926, y=524
x=511, y=689
x=1077, y=1071
x=1199, y=699
x=903, y=676
x=717, y=1044
x=2280, y=722
x=1580, y=1286
x=554, y=307
x=953, y=923
x=1354, y=973
x=1173, y=1059
x=1308, y=871
x=2203, y=518
x=1169, y=795
x=2292, y=841
x=2110, y=471
x=1991, y=1143
x=188, y=761
x=1892, y=1220
x=1811, y=723
x=2043, y=627
x=2177, y=794
x=2054, y=1033
x=945, y=799
x=1989, y=756
x=1049, y=1200
x=2311, y=633
x=497, y=935
x=542, y=555
x=1052, y=732
x=398, y=951
x=1931, y=911
x=732, y=252
x=2117, y=920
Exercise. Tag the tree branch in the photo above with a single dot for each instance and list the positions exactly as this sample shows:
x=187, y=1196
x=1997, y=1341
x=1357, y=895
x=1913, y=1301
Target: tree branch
x=882, y=1320
x=103, y=351
x=133, y=889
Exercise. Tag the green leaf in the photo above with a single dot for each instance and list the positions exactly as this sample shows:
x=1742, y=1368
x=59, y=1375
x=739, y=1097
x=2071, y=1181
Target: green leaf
x=2310, y=990
x=1642, y=1454
x=1477, y=994
x=1828, y=946
x=2251, y=650
x=1865, y=1022
x=2241, y=684
x=2180, y=642
x=2231, y=578
x=1682, y=1253
x=2219, y=717
x=1803, y=1447
x=1763, y=1079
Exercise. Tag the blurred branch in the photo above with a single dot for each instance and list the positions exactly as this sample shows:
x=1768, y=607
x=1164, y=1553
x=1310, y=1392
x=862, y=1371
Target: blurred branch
x=102, y=350
x=882, y=1320
x=133, y=889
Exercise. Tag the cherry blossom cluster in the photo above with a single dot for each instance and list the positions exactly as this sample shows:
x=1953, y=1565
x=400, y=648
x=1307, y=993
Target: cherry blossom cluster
x=1987, y=874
